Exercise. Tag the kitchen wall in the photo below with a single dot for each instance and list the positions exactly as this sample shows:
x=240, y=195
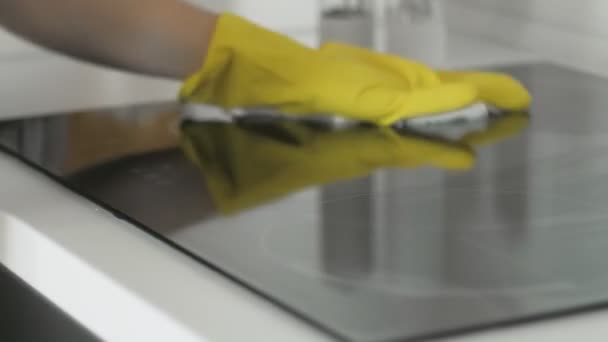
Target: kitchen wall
x=571, y=32
x=565, y=29
x=297, y=18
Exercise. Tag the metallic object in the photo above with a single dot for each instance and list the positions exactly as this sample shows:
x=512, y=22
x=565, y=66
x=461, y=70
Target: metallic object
x=416, y=29
x=348, y=21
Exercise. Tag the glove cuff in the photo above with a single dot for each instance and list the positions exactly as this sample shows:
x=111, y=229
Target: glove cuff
x=236, y=44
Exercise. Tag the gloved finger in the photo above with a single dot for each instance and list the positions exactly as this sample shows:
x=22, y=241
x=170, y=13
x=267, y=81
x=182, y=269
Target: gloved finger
x=421, y=102
x=497, y=89
x=505, y=127
x=385, y=147
x=415, y=73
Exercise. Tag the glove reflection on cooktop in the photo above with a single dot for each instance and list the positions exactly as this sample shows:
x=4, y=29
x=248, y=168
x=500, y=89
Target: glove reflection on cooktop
x=248, y=163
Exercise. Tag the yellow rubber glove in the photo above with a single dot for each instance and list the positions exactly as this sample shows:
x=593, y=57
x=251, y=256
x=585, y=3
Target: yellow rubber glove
x=248, y=164
x=249, y=66
x=499, y=90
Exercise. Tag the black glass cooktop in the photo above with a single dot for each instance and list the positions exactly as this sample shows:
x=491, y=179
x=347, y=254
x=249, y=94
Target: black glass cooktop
x=367, y=234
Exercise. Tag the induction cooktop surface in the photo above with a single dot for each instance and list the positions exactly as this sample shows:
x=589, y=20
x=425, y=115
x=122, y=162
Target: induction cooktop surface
x=365, y=233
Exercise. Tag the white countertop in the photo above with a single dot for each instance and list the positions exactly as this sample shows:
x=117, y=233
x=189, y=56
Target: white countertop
x=123, y=284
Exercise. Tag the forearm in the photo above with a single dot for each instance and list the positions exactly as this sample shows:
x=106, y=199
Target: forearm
x=166, y=38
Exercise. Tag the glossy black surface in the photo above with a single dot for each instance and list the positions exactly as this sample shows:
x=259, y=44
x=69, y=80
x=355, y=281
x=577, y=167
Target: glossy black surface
x=401, y=254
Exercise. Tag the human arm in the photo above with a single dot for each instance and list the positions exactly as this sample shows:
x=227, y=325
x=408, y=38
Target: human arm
x=166, y=38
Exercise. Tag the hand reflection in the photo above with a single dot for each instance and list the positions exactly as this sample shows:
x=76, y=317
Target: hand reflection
x=249, y=163
x=498, y=130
